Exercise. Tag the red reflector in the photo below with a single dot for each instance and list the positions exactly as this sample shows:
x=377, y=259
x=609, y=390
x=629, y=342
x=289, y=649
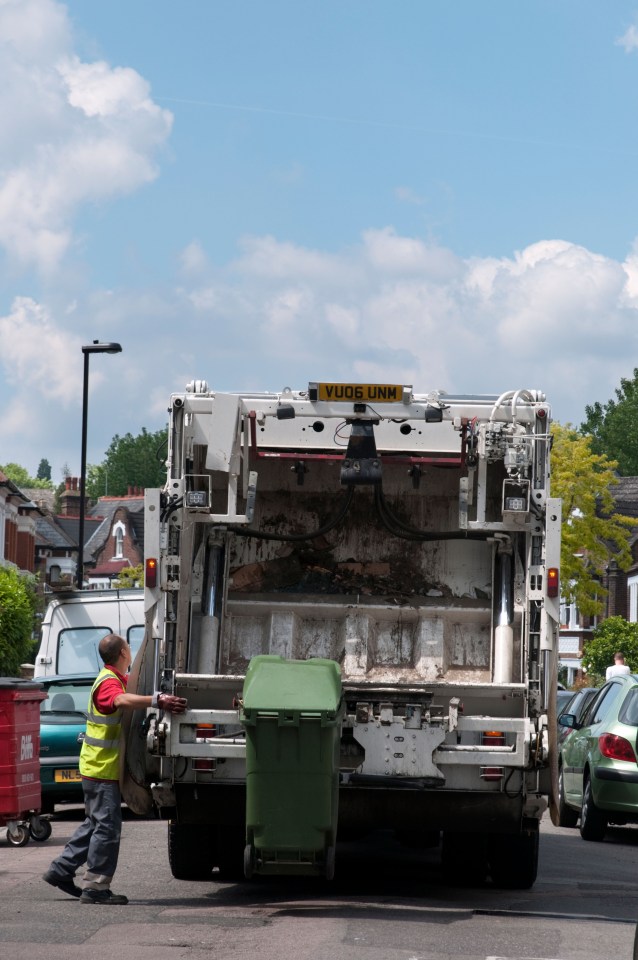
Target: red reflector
x=616, y=748
x=201, y=764
x=552, y=581
x=150, y=575
x=491, y=773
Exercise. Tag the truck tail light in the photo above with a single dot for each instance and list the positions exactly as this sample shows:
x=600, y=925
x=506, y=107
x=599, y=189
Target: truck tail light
x=150, y=572
x=553, y=581
x=492, y=738
x=203, y=764
x=204, y=731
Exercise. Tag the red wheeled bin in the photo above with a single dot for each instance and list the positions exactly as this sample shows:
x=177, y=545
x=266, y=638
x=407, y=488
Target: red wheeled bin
x=20, y=792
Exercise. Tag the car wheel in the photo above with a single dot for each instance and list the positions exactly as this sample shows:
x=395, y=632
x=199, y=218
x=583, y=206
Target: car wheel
x=593, y=822
x=567, y=817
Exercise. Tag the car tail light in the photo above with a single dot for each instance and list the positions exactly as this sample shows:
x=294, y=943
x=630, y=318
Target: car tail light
x=616, y=748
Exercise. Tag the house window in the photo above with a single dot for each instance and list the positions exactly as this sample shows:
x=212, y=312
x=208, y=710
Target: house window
x=568, y=615
x=118, y=534
x=632, y=591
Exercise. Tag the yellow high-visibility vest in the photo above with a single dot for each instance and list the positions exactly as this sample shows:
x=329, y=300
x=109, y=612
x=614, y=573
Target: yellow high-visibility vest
x=100, y=753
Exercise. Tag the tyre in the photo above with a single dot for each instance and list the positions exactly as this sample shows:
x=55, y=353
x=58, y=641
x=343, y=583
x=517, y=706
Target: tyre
x=20, y=837
x=230, y=853
x=514, y=859
x=464, y=858
x=567, y=817
x=39, y=829
x=593, y=822
x=191, y=850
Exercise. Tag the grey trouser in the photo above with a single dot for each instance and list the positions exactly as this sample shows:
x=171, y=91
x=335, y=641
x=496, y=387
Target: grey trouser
x=96, y=841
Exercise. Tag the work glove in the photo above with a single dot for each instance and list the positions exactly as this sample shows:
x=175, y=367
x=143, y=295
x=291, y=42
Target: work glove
x=165, y=701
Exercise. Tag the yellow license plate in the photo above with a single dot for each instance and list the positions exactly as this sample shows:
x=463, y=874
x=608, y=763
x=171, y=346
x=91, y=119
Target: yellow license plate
x=67, y=776
x=361, y=392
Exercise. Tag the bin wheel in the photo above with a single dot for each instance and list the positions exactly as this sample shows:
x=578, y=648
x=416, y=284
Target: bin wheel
x=329, y=866
x=249, y=861
x=21, y=836
x=39, y=829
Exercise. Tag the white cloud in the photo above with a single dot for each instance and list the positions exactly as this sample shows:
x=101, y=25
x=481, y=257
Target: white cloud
x=629, y=39
x=73, y=133
x=39, y=358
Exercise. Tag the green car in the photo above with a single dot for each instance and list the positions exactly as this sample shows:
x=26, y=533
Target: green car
x=598, y=772
x=62, y=728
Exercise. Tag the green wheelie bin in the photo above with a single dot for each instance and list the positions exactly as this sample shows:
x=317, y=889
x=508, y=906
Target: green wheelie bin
x=292, y=712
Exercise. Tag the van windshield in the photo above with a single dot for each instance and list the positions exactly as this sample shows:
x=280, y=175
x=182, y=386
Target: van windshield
x=77, y=650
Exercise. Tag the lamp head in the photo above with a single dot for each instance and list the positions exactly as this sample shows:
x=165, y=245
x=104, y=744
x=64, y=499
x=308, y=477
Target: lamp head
x=97, y=347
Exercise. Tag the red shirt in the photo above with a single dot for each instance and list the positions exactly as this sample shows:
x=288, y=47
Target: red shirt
x=108, y=690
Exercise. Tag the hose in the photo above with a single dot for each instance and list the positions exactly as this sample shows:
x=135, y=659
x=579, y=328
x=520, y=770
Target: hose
x=400, y=529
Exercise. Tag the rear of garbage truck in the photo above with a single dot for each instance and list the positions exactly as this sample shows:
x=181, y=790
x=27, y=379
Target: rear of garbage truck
x=356, y=587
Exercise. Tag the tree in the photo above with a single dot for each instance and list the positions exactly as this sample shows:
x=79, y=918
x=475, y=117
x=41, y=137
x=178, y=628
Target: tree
x=612, y=427
x=44, y=470
x=130, y=461
x=17, y=610
x=130, y=577
x=612, y=635
x=20, y=476
x=592, y=533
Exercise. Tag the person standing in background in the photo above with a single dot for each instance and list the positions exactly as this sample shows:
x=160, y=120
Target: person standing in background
x=618, y=667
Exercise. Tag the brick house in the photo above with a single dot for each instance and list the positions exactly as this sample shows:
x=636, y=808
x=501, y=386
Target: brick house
x=18, y=518
x=113, y=538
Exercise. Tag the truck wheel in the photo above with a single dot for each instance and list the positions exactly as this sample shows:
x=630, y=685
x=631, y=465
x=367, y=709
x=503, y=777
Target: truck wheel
x=20, y=837
x=464, y=858
x=593, y=822
x=191, y=852
x=39, y=829
x=567, y=817
x=514, y=859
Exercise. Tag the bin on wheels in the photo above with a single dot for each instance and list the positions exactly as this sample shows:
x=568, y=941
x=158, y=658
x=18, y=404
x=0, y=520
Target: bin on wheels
x=20, y=791
x=292, y=712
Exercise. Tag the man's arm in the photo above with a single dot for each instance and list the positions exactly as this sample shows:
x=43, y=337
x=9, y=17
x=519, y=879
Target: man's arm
x=133, y=701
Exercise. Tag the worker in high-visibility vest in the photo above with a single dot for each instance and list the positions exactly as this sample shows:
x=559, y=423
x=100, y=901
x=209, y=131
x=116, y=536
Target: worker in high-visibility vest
x=96, y=842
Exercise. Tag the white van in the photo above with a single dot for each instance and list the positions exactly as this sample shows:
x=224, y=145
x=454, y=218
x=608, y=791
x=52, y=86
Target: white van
x=75, y=622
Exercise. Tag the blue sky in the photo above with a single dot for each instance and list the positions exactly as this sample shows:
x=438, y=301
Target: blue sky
x=261, y=194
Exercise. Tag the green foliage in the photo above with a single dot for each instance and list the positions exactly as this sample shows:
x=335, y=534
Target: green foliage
x=614, y=634
x=130, y=577
x=130, y=461
x=20, y=476
x=44, y=470
x=592, y=533
x=17, y=609
x=612, y=427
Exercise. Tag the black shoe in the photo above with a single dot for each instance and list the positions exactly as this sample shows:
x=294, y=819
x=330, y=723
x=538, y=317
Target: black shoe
x=103, y=896
x=66, y=886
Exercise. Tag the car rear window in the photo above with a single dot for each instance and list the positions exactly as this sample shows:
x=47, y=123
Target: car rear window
x=629, y=710
x=67, y=697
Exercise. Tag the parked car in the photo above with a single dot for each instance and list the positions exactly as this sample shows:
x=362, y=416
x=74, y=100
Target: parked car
x=576, y=706
x=62, y=727
x=598, y=771
x=562, y=699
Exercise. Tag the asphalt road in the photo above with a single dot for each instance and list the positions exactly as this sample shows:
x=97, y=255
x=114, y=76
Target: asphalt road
x=386, y=903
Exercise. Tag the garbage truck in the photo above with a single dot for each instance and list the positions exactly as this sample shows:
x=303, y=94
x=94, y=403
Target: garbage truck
x=356, y=587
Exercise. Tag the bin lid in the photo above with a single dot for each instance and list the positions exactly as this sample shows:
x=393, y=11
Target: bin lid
x=274, y=684
x=19, y=683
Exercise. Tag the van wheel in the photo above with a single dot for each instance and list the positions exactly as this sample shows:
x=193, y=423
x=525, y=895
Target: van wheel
x=567, y=817
x=593, y=822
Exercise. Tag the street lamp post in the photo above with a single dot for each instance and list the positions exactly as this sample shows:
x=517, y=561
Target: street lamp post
x=95, y=347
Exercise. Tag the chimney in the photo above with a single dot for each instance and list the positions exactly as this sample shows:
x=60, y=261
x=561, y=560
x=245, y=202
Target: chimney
x=70, y=499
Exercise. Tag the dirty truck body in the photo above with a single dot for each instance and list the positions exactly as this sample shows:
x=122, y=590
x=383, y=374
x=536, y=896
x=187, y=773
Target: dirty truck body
x=411, y=539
